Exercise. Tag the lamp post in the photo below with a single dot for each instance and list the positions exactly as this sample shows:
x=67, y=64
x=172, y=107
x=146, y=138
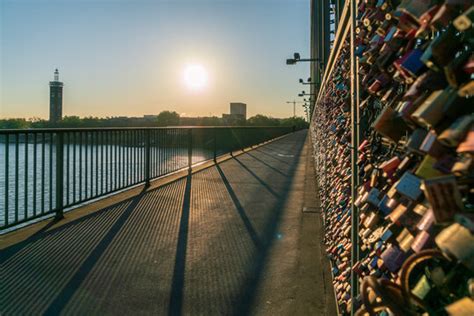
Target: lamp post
x=294, y=104
x=308, y=82
x=297, y=58
x=318, y=64
x=302, y=94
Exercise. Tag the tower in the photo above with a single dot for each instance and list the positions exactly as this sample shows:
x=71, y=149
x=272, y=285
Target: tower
x=55, y=99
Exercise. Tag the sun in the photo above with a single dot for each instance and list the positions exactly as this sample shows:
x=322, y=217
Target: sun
x=195, y=77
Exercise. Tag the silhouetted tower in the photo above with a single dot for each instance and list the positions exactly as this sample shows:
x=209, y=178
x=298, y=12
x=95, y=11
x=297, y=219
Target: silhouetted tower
x=55, y=99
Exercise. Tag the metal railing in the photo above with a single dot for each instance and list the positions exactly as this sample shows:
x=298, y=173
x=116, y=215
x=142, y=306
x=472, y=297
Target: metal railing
x=44, y=171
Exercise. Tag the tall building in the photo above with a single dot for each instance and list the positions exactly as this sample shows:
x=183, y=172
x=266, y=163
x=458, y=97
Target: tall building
x=238, y=114
x=238, y=109
x=55, y=99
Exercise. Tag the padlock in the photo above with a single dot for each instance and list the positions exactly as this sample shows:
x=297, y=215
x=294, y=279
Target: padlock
x=411, y=63
x=421, y=208
x=444, y=197
x=467, y=145
x=463, y=164
x=444, y=16
x=405, y=240
x=416, y=139
x=426, y=169
x=415, y=8
x=409, y=186
x=424, y=20
x=456, y=133
x=422, y=287
x=421, y=241
x=390, y=125
x=426, y=221
x=435, y=107
x=457, y=241
x=462, y=307
x=371, y=220
x=431, y=146
x=454, y=69
x=387, y=205
x=393, y=258
x=440, y=49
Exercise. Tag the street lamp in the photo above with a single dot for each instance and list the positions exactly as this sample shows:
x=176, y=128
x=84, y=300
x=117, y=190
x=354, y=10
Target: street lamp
x=297, y=58
x=308, y=82
x=303, y=94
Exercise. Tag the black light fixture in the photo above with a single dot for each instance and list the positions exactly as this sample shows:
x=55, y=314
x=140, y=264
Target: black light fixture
x=308, y=81
x=303, y=94
x=297, y=58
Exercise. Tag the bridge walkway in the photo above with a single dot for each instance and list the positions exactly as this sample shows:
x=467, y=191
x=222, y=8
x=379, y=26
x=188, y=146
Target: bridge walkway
x=239, y=237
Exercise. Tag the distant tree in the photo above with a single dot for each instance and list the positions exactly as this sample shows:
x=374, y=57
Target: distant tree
x=14, y=123
x=211, y=121
x=72, y=121
x=167, y=118
x=297, y=122
x=262, y=120
x=39, y=123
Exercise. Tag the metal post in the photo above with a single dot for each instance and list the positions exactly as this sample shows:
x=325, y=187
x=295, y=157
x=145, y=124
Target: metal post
x=190, y=148
x=326, y=43
x=355, y=154
x=339, y=8
x=59, y=175
x=215, y=144
x=147, y=158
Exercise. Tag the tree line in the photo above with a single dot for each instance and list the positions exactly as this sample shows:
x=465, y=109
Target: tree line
x=164, y=118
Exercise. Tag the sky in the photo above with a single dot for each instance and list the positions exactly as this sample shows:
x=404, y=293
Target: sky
x=128, y=57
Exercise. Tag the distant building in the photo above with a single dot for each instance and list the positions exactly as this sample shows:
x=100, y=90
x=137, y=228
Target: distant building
x=237, y=108
x=238, y=114
x=55, y=99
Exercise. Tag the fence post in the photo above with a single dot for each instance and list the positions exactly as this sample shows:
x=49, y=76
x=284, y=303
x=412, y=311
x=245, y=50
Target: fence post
x=147, y=158
x=190, y=148
x=59, y=175
x=215, y=144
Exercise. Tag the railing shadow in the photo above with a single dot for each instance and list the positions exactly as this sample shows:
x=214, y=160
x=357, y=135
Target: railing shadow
x=266, y=164
x=264, y=152
x=75, y=282
x=268, y=234
x=240, y=209
x=31, y=280
x=265, y=185
x=177, y=285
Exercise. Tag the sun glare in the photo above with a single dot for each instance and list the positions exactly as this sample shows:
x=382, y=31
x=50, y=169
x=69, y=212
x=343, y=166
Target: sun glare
x=195, y=77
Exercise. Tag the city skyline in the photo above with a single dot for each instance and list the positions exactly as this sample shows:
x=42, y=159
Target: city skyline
x=120, y=59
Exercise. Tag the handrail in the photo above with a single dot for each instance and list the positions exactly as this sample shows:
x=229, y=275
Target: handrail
x=343, y=28
x=93, y=129
x=44, y=171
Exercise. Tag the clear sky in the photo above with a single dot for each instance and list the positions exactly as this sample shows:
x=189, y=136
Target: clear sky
x=127, y=57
